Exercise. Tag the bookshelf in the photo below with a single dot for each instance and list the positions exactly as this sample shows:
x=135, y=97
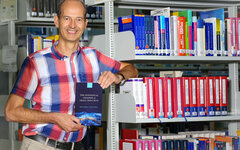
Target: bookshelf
x=121, y=47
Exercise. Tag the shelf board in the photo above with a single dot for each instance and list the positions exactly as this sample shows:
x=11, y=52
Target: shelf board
x=126, y=113
x=125, y=51
x=154, y=4
x=183, y=59
x=187, y=119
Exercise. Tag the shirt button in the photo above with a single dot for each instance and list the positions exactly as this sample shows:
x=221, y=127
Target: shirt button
x=74, y=76
x=65, y=138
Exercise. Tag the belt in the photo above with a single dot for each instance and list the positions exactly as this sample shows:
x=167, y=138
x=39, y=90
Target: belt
x=55, y=144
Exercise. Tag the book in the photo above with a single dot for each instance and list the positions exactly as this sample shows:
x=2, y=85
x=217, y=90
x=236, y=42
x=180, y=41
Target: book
x=33, y=7
x=47, y=8
x=174, y=36
x=194, y=35
x=88, y=103
x=188, y=29
x=181, y=36
x=200, y=38
x=53, y=7
x=213, y=35
x=218, y=14
x=40, y=10
x=129, y=134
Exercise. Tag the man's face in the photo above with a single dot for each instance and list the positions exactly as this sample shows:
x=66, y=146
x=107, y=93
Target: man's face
x=71, y=23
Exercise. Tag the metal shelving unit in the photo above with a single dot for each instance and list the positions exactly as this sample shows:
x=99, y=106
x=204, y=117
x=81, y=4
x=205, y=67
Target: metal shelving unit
x=124, y=50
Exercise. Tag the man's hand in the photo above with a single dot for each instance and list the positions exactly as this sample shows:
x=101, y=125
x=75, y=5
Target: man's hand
x=107, y=78
x=68, y=123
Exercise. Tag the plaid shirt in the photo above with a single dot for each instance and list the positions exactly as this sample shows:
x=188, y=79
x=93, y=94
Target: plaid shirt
x=48, y=79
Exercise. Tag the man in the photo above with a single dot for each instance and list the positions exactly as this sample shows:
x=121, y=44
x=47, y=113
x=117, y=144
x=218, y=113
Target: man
x=48, y=78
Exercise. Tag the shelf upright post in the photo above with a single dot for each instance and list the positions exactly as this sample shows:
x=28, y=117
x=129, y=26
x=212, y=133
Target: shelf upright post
x=11, y=79
x=112, y=125
x=234, y=94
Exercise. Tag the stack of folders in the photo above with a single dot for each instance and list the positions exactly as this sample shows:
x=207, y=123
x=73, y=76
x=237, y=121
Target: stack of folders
x=184, y=33
x=194, y=140
x=166, y=97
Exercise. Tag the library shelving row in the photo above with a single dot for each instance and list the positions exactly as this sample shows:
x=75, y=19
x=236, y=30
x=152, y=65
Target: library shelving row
x=120, y=46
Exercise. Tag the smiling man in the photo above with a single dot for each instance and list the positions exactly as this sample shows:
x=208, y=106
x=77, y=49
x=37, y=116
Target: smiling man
x=48, y=79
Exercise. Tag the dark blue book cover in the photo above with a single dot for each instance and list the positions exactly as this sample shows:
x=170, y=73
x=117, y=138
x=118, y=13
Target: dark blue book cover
x=88, y=103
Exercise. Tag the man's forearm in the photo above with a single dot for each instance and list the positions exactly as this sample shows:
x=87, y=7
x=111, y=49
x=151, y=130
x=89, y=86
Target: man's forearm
x=26, y=115
x=129, y=71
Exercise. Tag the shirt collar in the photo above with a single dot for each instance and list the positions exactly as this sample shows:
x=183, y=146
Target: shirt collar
x=60, y=56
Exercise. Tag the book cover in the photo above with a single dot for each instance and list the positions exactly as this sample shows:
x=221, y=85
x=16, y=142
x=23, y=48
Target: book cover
x=88, y=103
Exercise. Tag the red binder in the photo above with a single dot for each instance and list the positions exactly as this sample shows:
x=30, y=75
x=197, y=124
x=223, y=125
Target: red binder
x=150, y=95
x=201, y=96
x=186, y=101
x=178, y=97
x=168, y=97
x=210, y=99
x=159, y=97
x=216, y=87
x=193, y=96
x=223, y=95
